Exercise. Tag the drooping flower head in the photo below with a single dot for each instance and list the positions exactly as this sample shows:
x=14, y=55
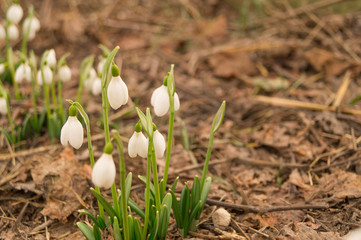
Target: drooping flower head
x=103, y=173
x=117, y=90
x=160, y=100
x=13, y=32
x=51, y=58
x=138, y=144
x=48, y=75
x=23, y=72
x=14, y=13
x=33, y=28
x=89, y=81
x=64, y=73
x=72, y=131
x=97, y=86
x=158, y=142
x=3, y=105
x=2, y=68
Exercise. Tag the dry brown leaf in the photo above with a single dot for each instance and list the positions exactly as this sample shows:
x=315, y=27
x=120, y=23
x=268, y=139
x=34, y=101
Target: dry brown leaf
x=305, y=230
x=296, y=179
x=232, y=64
x=215, y=28
x=62, y=179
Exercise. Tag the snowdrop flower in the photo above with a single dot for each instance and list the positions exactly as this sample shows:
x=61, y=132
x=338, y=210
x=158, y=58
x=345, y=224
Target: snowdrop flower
x=160, y=101
x=72, y=131
x=14, y=13
x=138, y=144
x=101, y=65
x=103, y=174
x=23, y=72
x=117, y=90
x=88, y=83
x=64, y=73
x=2, y=32
x=34, y=27
x=2, y=68
x=51, y=58
x=13, y=32
x=97, y=86
x=3, y=105
x=48, y=76
x=159, y=144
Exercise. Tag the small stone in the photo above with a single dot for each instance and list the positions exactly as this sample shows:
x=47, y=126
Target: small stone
x=221, y=218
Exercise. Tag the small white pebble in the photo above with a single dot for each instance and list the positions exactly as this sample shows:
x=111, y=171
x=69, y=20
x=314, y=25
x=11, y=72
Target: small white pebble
x=221, y=218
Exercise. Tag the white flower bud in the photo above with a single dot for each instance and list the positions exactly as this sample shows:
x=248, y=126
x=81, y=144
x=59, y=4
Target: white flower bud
x=138, y=145
x=64, y=73
x=72, y=133
x=14, y=13
x=101, y=65
x=23, y=72
x=103, y=174
x=160, y=101
x=2, y=33
x=51, y=58
x=159, y=144
x=92, y=73
x=2, y=68
x=117, y=92
x=13, y=32
x=34, y=27
x=221, y=218
x=97, y=87
x=3, y=105
x=48, y=76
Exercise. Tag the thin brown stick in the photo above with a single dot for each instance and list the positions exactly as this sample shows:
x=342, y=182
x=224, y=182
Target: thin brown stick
x=236, y=226
x=265, y=209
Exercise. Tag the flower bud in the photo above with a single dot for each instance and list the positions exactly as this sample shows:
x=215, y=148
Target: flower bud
x=101, y=65
x=3, y=105
x=23, y=72
x=48, y=76
x=160, y=101
x=97, y=87
x=14, y=13
x=117, y=92
x=34, y=27
x=103, y=173
x=2, y=68
x=138, y=145
x=72, y=132
x=13, y=32
x=51, y=58
x=64, y=73
x=159, y=144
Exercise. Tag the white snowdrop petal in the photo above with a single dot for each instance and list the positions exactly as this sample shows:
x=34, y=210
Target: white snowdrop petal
x=154, y=95
x=3, y=106
x=2, y=68
x=159, y=144
x=132, y=146
x=101, y=65
x=64, y=73
x=13, y=32
x=161, y=103
x=2, y=32
x=14, y=13
x=103, y=174
x=64, y=134
x=92, y=73
x=51, y=58
x=48, y=75
x=27, y=72
x=76, y=134
x=19, y=73
x=176, y=102
x=142, y=146
x=117, y=93
x=97, y=87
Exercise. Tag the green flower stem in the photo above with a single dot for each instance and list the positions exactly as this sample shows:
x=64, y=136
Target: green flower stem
x=122, y=183
x=10, y=119
x=169, y=145
x=60, y=99
x=85, y=67
x=115, y=200
x=26, y=34
x=90, y=147
x=147, y=192
x=33, y=86
x=155, y=177
x=53, y=92
x=205, y=167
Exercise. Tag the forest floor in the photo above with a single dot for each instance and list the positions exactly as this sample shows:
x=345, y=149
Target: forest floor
x=286, y=163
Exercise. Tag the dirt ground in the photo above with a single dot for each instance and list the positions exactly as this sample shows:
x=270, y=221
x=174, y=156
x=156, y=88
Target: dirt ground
x=285, y=163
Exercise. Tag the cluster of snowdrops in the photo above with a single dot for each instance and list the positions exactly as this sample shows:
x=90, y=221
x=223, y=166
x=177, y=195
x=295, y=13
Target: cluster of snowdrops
x=123, y=218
